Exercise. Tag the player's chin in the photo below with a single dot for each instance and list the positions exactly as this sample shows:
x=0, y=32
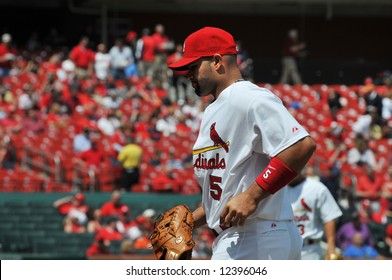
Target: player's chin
x=201, y=93
x=197, y=91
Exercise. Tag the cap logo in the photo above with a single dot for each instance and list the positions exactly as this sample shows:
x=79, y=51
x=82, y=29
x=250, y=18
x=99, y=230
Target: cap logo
x=183, y=48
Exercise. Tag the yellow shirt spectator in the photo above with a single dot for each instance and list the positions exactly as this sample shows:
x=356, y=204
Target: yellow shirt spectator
x=130, y=156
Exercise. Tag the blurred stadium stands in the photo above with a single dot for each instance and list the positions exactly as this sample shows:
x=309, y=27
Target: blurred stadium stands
x=31, y=228
x=344, y=37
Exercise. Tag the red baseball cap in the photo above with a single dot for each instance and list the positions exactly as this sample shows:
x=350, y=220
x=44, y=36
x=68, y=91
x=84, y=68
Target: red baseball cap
x=205, y=42
x=130, y=36
x=79, y=197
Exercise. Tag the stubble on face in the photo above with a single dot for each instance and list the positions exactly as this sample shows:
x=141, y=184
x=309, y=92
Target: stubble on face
x=202, y=84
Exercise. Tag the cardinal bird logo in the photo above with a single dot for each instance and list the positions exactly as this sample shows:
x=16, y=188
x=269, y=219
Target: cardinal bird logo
x=304, y=205
x=216, y=138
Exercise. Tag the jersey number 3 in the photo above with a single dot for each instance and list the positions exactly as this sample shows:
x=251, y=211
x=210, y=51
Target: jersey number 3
x=301, y=229
x=215, y=189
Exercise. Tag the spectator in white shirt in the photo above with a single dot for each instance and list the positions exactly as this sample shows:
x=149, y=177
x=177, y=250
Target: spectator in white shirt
x=369, y=125
x=387, y=106
x=82, y=141
x=361, y=154
x=102, y=62
x=121, y=57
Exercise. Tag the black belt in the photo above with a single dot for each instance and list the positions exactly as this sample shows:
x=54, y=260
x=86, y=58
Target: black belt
x=131, y=169
x=309, y=241
x=217, y=233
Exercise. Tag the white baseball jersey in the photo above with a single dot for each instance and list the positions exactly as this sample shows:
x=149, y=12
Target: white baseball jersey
x=313, y=206
x=240, y=132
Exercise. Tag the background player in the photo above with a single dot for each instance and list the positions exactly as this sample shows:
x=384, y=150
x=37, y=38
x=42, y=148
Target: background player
x=263, y=149
x=315, y=212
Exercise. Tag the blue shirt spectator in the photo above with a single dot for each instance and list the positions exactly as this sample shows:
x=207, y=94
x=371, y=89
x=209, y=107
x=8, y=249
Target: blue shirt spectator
x=357, y=250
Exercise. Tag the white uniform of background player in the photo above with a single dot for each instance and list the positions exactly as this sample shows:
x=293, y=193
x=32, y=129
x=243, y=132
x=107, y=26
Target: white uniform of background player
x=315, y=210
x=254, y=126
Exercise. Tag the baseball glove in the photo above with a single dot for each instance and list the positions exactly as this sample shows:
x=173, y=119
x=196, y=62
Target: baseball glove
x=172, y=236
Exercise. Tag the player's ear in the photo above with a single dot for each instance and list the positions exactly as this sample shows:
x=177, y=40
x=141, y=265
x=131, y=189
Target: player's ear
x=217, y=60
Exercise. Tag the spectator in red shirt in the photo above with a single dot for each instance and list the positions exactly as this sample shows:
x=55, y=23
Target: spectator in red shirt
x=66, y=204
x=73, y=207
x=92, y=157
x=384, y=213
x=162, y=42
x=386, y=189
x=110, y=231
x=99, y=247
x=33, y=121
x=145, y=53
x=114, y=206
x=103, y=239
x=52, y=66
x=369, y=184
x=56, y=116
x=83, y=58
x=165, y=181
x=162, y=46
x=12, y=123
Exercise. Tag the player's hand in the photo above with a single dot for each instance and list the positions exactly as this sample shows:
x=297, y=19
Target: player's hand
x=332, y=256
x=241, y=206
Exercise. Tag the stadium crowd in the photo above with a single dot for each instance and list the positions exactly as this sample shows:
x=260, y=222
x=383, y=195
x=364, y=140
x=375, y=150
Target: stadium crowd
x=115, y=228
x=119, y=112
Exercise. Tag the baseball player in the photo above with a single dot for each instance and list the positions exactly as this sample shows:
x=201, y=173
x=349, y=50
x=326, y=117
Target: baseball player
x=248, y=149
x=315, y=212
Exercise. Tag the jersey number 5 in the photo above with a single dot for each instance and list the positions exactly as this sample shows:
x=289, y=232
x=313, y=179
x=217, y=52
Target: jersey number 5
x=267, y=173
x=215, y=189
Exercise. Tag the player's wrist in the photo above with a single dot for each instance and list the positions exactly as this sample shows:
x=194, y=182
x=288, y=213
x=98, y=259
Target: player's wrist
x=256, y=194
x=275, y=176
x=199, y=217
